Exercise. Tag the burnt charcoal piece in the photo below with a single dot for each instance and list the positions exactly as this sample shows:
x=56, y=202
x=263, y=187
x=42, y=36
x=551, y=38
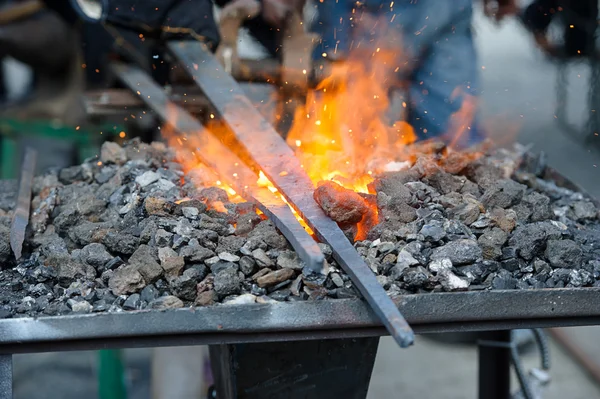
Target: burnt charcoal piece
x=275, y=277
x=512, y=265
x=433, y=231
x=213, y=194
x=144, y=260
x=126, y=280
x=503, y=194
x=184, y=286
x=247, y=265
x=446, y=183
x=69, y=270
x=290, y=260
x=508, y=253
x=466, y=212
x=530, y=239
x=5, y=251
x=112, y=153
x=584, y=210
x=206, y=298
x=342, y=205
x=149, y=293
x=564, y=253
x=395, y=209
x=504, y=283
x=196, y=253
x=73, y=174
x=124, y=244
x=478, y=272
x=227, y=282
x=539, y=205
x=491, y=242
x=96, y=255
x=505, y=219
x=417, y=277
x=223, y=265
x=133, y=302
x=166, y=302
x=484, y=173
x=392, y=186
x=460, y=252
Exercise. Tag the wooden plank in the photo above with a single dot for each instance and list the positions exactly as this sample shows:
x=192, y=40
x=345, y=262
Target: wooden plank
x=233, y=171
x=265, y=147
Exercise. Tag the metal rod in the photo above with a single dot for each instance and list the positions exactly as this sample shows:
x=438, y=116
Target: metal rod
x=265, y=147
x=6, y=377
x=20, y=217
x=591, y=366
x=229, y=167
x=494, y=365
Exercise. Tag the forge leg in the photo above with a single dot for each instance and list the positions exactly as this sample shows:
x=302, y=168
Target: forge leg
x=494, y=365
x=336, y=368
x=6, y=377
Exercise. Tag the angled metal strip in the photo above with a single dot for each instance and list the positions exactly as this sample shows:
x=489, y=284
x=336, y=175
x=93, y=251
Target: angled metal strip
x=234, y=171
x=20, y=218
x=269, y=151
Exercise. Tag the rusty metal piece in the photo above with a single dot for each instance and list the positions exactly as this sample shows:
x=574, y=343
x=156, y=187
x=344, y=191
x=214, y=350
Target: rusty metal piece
x=260, y=143
x=20, y=217
x=233, y=171
x=578, y=354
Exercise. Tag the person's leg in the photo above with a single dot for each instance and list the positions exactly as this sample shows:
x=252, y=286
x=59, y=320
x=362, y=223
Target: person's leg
x=444, y=87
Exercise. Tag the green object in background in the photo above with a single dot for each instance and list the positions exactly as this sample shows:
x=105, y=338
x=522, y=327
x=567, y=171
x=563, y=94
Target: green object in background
x=8, y=158
x=88, y=143
x=111, y=375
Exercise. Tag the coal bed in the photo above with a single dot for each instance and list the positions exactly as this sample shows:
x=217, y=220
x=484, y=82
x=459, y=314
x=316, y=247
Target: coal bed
x=131, y=230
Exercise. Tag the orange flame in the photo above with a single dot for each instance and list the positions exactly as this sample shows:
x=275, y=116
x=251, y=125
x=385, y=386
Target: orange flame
x=342, y=133
x=185, y=147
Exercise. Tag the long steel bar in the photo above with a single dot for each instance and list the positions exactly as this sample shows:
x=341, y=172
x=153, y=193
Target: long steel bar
x=217, y=156
x=468, y=311
x=20, y=218
x=269, y=151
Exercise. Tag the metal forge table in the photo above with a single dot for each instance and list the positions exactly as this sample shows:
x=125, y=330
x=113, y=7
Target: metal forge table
x=314, y=349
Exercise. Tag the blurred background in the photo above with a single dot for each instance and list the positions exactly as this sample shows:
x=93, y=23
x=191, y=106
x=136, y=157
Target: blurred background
x=521, y=90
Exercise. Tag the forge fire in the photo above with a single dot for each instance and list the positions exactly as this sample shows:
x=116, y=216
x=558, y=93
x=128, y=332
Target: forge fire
x=131, y=230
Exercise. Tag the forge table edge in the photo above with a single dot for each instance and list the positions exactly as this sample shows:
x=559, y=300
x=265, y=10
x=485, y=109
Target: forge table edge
x=294, y=321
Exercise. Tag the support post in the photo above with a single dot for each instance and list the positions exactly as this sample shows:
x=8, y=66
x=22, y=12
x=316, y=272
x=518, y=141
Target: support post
x=324, y=369
x=494, y=365
x=6, y=377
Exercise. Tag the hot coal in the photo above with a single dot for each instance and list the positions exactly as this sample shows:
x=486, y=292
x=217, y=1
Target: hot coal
x=134, y=232
x=342, y=205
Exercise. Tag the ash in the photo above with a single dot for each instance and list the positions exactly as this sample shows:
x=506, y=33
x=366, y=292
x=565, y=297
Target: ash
x=130, y=230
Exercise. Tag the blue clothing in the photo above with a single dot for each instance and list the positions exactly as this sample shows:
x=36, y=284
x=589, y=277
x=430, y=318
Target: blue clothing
x=437, y=39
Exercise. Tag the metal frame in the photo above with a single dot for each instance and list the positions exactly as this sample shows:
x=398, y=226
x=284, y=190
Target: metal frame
x=340, y=321
x=343, y=318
